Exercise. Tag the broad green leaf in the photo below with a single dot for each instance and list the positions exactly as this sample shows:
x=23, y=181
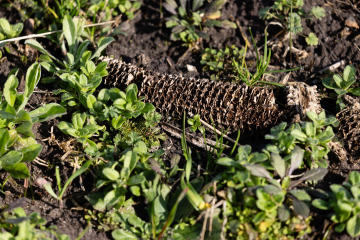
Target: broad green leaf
x=121, y=234
x=5, y=26
x=135, y=190
x=134, y=180
x=329, y=83
x=338, y=80
x=264, y=12
x=33, y=75
x=11, y=158
x=258, y=170
x=69, y=31
x=340, y=92
x=113, y=196
x=283, y=212
x=321, y=204
x=81, y=50
x=353, y=226
x=131, y=96
x=35, y=44
x=148, y=108
x=299, y=135
x=67, y=128
x=25, y=129
x=296, y=159
x=31, y=152
x=228, y=162
x=18, y=170
x=4, y=140
x=301, y=208
x=279, y=164
x=103, y=42
x=117, y=122
x=140, y=148
x=343, y=211
x=111, y=174
x=271, y=189
x=16, y=29
x=340, y=227
x=171, y=6
x=354, y=178
x=97, y=200
x=356, y=91
x=349, y=83
x=315, y=174
x=197, y=4
x=10, y=90
x=47, y=112
x=78, y=120
x=310, y=129
x=349, y=73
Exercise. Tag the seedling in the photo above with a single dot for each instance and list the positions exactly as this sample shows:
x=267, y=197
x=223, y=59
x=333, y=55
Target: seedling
x=79, y=131
x=196, y=124
x=221, y=62
x=262, y=62
x=43, y=183
x=290, y=13
x=342, y=85
x=186, y=19
x=9, y=31
x=344, y=203
x=16, y=224
x=79, y=74
x=76, y=57
x=17, y=141
x=309, y=135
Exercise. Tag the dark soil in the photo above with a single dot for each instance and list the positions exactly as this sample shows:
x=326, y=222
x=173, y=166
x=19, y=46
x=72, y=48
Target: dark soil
x=148, y=45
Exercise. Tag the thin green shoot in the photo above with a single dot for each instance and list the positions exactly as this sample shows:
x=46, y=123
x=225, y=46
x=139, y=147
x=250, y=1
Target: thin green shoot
x=172, y=213
x=43, y=183
x=261, y=65
x=235, y=144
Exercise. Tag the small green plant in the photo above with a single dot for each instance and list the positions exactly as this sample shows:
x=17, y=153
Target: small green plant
x=15, y=224
x=79, y=131
x=62, y=189
x=195, y=124
x=271, y=207
x=9, y=31
x=262, y=62
x=238, y=165
x=79, y=74
x=342, y=85
x=127, y=7
x=186, y=19
x=221, y=62
x=309, y=135
x=17, y=140
x=290, y=13
x=344, y=204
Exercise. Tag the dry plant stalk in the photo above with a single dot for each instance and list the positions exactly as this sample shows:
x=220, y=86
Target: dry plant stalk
x=233, y=106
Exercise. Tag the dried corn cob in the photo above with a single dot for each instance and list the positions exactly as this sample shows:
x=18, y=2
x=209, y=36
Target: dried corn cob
x=229, y=105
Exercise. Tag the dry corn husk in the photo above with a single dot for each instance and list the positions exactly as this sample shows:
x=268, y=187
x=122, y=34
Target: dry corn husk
x=231, y=106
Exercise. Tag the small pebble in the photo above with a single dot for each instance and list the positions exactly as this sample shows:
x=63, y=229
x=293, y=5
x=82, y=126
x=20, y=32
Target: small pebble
x=191, y=68
x=350, y=22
